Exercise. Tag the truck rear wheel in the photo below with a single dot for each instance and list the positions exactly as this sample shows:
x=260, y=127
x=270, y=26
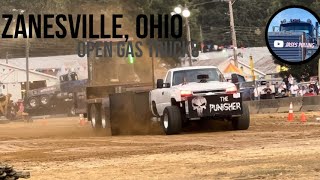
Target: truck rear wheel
x=171, y=120
x=105, y=121
x=45, y=100
x=33, y=102
x=242, y=122
x=95, y=117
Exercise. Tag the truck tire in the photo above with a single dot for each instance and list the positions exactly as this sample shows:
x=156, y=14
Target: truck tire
x=33, y=102
x=95, y=117
x=242, y=122
x=45, y=100
x=105, y=121
x=171, y=120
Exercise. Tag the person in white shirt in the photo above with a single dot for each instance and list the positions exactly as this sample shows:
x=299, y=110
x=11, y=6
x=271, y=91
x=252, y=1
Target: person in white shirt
x=290, y=81
x=256, y=93
x=294, y=90
x=282, y=87
x=302, y=91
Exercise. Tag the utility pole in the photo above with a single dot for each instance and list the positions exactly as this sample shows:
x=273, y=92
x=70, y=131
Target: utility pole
x=7, y=57
x=27, y=66
x=189, y=41
x=233, y=33
x=201, y=39
x=152, y=69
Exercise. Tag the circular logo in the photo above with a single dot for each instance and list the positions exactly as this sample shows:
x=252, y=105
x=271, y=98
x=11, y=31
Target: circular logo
x=292, y=35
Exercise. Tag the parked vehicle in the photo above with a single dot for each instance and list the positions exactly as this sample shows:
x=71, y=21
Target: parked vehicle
x=58, y=98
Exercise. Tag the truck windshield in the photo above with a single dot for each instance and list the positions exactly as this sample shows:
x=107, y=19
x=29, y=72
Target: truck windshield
x=180, y=77
x=297, y=27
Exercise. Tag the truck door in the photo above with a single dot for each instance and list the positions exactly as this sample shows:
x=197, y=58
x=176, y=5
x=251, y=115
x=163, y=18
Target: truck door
x=163, y=97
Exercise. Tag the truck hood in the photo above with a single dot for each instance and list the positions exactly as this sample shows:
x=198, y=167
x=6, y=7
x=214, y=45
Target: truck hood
x=211, y=85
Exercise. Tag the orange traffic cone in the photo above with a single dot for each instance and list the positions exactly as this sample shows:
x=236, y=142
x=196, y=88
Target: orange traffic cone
x=82, y=121
x=303, y=118
x=44, y=121
x=290, y=115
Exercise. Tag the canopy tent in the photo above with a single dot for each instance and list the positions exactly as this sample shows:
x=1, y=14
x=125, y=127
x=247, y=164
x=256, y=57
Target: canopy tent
x=232, y=69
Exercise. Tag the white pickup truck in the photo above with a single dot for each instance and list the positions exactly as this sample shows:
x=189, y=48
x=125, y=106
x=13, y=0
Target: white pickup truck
x=196, y=93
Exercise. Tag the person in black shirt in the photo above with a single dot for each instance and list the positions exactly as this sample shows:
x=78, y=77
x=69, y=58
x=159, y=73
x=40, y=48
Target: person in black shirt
x=286, y=81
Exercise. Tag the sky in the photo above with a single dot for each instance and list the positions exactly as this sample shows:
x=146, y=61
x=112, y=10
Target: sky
x=292, y=13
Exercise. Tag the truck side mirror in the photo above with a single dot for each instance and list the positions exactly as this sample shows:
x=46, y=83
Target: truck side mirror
x=159, y=83
x=166, y=85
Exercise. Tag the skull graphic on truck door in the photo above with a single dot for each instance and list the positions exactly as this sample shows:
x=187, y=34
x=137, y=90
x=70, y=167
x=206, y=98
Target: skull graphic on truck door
x=199, y=103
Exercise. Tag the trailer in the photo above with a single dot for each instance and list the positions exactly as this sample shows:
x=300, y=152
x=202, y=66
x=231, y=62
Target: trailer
x=117, y=93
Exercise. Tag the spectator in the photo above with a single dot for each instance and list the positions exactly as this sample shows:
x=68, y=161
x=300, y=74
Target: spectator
x=302, y=90
x=290, y=80
x=314, y=87
x=256, y=93
x=286, y=82
x=276, y=87
x=268, y=91
x=282, y=88
x=294, y=90
x=310, y=93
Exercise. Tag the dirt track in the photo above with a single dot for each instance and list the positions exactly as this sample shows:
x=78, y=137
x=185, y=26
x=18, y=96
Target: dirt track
x=62, y=149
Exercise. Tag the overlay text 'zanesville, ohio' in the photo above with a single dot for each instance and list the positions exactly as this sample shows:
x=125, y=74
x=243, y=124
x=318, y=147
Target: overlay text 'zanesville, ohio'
x=82, y=26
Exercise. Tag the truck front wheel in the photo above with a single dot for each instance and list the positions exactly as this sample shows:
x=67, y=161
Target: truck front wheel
x=242, y=122
x=171, y=120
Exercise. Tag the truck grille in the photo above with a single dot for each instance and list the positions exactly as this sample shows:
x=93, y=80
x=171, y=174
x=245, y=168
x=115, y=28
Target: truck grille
x=210, y=91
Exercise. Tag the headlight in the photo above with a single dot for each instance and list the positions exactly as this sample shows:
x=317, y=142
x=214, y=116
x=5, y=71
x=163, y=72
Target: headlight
x=231, y=90
x=185, y=94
